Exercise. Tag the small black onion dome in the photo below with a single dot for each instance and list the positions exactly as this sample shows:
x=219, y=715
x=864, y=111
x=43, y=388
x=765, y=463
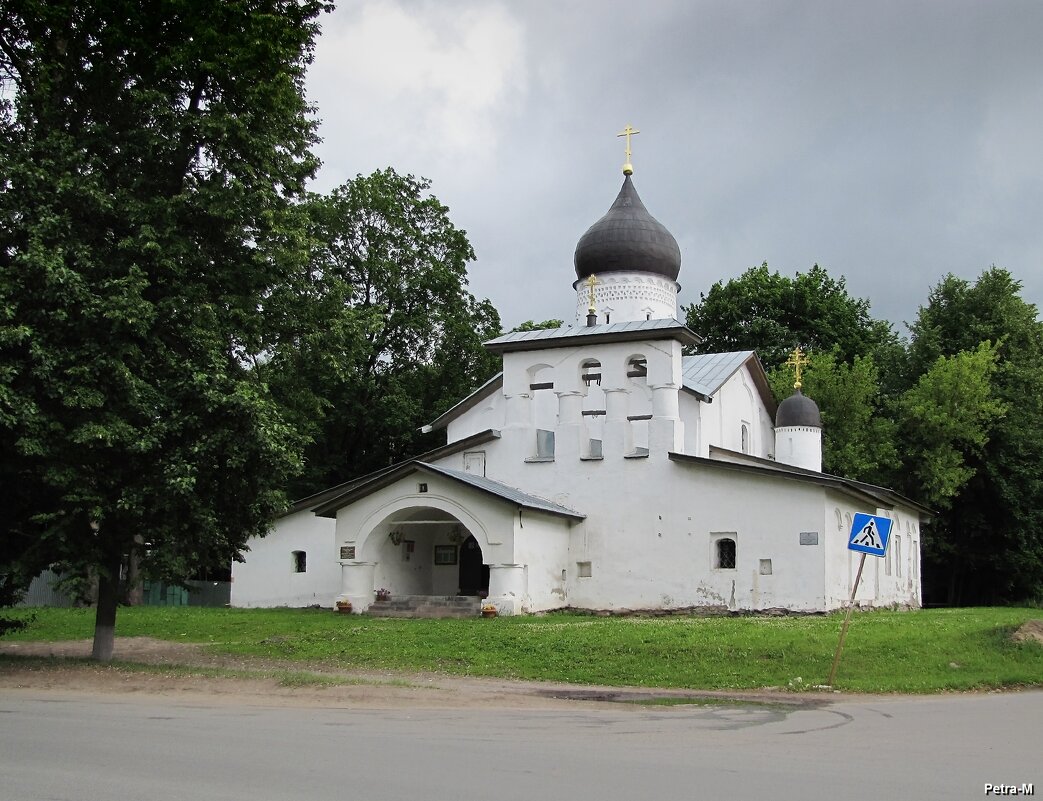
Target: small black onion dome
x=628, y=238
x=798, y=410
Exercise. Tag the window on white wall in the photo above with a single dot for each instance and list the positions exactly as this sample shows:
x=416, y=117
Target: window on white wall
x=898, y=556
x=745, y=437
x=300, y=562
x=724, y=553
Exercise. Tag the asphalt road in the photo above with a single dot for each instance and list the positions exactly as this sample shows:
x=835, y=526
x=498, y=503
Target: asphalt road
x=78, y=748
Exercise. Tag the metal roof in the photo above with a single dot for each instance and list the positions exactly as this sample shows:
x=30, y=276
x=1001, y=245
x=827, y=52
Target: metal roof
x=379, y=480
x=552, y=337
x=323, y=497
x=705, y=373
x=462, y=406
x=627, y=238
x=508, y=493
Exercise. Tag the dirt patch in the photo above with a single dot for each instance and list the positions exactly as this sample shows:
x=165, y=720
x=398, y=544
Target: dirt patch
x=192, y=672
x=1029, y=631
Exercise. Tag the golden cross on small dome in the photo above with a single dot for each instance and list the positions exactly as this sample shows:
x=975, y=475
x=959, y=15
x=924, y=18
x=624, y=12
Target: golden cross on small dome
x=591, y=282
x=628, y=168
x=797, y=360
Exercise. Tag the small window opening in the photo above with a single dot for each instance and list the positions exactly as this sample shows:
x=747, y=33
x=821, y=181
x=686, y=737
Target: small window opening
x=421, y=487
x=591, y=372
x=300, y=562
x=745, y=438
x=765, y=567
x=583, y=570
x=608, y=318
x=725, y=554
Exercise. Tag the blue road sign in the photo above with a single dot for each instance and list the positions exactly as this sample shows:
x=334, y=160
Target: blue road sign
x=869, y=534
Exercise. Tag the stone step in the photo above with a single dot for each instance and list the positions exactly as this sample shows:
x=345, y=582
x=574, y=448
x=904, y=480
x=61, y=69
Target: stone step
x=427, y=606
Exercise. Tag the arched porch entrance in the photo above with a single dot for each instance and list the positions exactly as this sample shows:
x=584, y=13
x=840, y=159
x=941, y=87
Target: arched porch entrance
x=426, y=551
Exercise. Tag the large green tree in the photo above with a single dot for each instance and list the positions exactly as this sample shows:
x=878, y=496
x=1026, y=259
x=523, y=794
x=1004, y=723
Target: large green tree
x=389, y=263
x=148, y=231
x=988, y=541
x=770, y=313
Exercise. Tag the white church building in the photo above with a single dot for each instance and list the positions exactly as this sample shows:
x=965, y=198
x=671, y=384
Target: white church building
x=602, y=469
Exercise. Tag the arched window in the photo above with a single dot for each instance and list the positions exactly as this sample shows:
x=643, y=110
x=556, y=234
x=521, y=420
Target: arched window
x=544, y=409
x=745, y=438
x=639, y=404
x=724, y=554
x=593, y=408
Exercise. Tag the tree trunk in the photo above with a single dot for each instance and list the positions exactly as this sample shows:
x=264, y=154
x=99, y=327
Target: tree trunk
x=105, y=618
x=135, y=593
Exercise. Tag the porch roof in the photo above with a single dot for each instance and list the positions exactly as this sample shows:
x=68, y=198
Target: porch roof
x=503, y=492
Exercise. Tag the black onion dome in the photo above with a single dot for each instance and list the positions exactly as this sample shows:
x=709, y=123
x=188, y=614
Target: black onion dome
x=628, y=238
x=798, y=410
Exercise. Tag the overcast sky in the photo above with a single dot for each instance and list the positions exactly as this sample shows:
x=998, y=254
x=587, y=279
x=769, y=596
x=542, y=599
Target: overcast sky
x=889, y=142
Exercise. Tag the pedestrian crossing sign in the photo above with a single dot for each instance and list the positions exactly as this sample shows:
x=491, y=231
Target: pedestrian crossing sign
x=869, y=534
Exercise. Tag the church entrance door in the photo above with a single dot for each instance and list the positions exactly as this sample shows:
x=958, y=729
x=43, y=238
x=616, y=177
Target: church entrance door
x=474, y=575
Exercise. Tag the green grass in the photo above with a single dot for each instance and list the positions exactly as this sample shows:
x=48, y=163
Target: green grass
x=925, y=651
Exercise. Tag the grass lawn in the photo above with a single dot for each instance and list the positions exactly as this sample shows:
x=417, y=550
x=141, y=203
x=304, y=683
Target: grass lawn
x=925, y=651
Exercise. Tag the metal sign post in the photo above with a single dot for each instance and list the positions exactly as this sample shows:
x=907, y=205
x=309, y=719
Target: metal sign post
x=869, y=536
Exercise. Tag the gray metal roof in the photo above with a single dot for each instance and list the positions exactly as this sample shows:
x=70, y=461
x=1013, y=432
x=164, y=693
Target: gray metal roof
x=526, y=340
x=323, y=497
x=736, y=461
x=798, y=410
x=468, y=402
x=627, y=238
x=705, y=373
x=376, y=481
x=508, y=493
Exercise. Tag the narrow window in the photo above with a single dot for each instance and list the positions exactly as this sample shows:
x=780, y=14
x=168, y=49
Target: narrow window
x=725, y=554
x=898, y=556
x=300, y=562
x=745, y=438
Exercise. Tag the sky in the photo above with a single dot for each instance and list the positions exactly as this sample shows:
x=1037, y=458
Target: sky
x=889, y=142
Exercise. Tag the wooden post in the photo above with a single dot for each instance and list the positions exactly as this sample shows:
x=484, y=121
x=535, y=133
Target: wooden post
x=847, y=620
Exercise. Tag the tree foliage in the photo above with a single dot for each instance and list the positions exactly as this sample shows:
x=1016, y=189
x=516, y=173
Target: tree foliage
x=988, y=543
x=389, y=263
x=770, y=313
x=954, y=421
x=945, y=420
x=532, y=325
x=147, y=228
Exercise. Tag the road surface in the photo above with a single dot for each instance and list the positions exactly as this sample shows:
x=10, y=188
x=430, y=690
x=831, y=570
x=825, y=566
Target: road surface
x=77, y=747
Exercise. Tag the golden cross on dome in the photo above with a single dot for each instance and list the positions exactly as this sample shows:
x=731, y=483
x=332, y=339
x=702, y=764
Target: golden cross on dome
x=797, y=360
x=591, y=282
x=628, y=168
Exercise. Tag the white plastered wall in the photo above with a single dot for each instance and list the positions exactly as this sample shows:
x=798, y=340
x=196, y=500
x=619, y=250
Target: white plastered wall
x=267, y=578
x=881, y=584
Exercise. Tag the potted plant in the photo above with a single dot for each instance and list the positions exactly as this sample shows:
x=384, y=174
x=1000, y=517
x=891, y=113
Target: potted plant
x=383, y=594
x=488, y=610
x=344, y=607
